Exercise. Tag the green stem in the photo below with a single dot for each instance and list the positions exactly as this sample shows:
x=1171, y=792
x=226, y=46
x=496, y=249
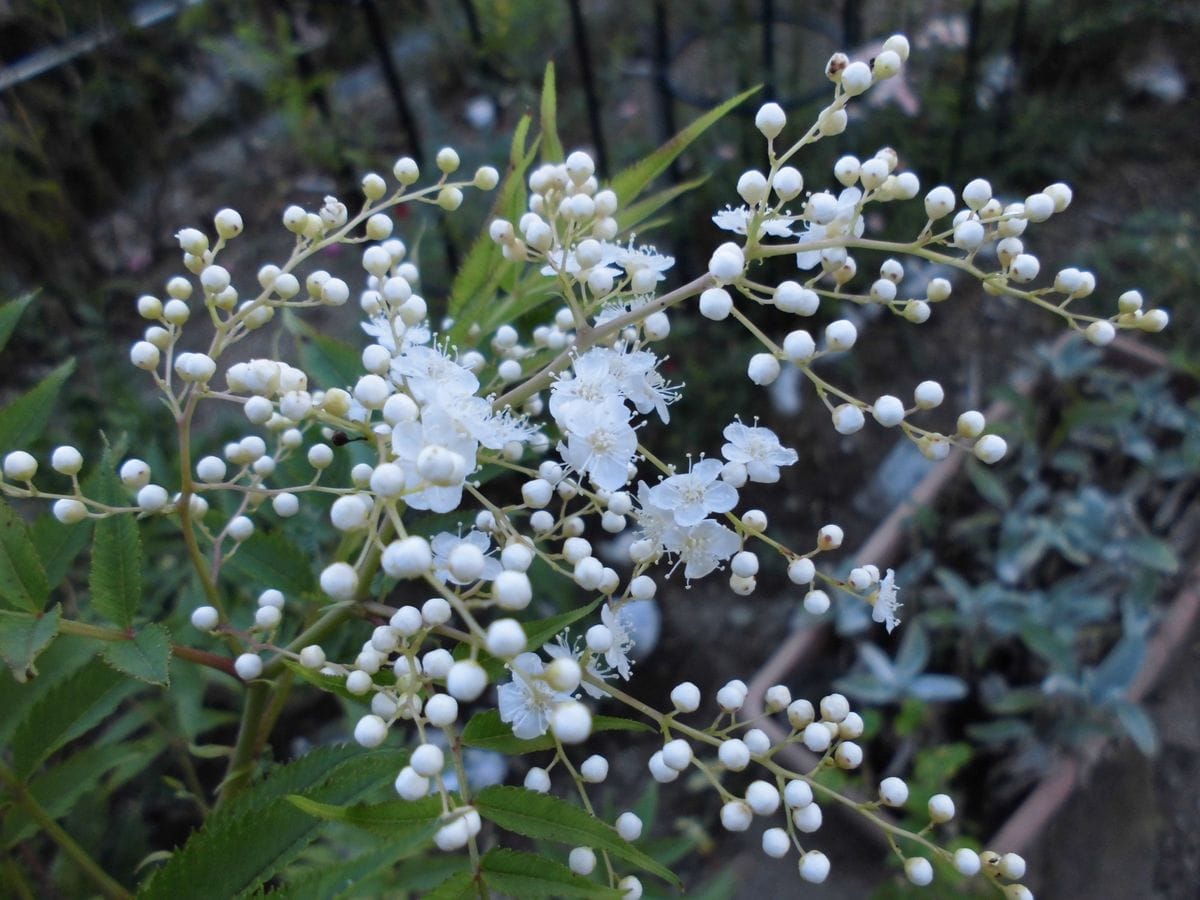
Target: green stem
x=107, y=885
x=15, y=878
x=241, y=763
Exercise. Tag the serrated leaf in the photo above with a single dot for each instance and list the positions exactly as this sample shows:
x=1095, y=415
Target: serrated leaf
x=484, y=268
x=630, y=183
x=545, y=817
x=459, y=886
x=23, y=421
x=116, y=576
x=59, y=545
x=71, y=708
x=10, y=313
x=330, y=881
x=519, y=874
x=330, y=362
x=22, y=581
x=244, y=844
x=23, y=636
x=146, y=656
x=59, y=661
x=410, y=823
x=552, y=148
x=485, y=731
x=269, y=559
x=59, y=787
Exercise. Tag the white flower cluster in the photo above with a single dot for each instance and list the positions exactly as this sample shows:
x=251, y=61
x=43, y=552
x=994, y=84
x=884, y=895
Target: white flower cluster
x=560, y=414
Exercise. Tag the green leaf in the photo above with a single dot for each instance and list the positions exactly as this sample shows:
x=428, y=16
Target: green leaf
x=541, y=631
x=552, y=148
x=637, y=213
x=336, y=880
x=65, y=656
x=116, y=576
x=269, y=559
x=22, y=580
x=1152, y=553
x=486, y=732
x=145, y=657
x=330, y=362
x=60, y=786
x=630, y=183
x=1139, y=726
x=71, y=708
x=411, y=824
x=460, y=886
x=528, y=875
x=59, y=545
x=9, y=314
x=330, y=684
x=545, y=817
x=23, y=636
x=484, y=268
x=259, y=832
x=989, y=485
x=23, y=420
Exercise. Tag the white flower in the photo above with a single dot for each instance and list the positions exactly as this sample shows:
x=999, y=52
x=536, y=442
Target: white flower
x=436, y=429
x=602, y=373
x=617, y=656
x=394, y=334
x=738, y=221
x=618, y=308
x=691, y=496
x=592, y=382
x=443, y=545
x=641, y=382
x=634, y=259
x=847, y=221
x=653, y=521
x=885, y=604
x=527, y=701
x=701, y=547
x=474, y=416
x=562, y=648
x=758, y=449
x=432, y=376
x=600, y=441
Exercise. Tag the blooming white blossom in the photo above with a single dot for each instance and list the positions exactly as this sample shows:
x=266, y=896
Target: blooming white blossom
x=701, y=547
x=527, y=701
x=431, y=376
x=758, y=449
x=600, y=441
x=737, y=220
x=691, y=496
x=618, y=623
x=413, y=442
x=885, y=603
